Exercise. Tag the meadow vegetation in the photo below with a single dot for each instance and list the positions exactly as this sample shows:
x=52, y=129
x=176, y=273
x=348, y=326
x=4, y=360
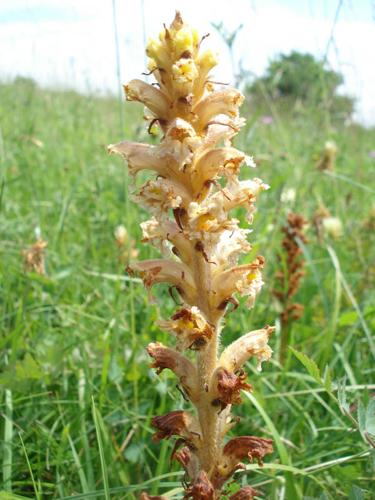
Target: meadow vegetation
x=77, y=392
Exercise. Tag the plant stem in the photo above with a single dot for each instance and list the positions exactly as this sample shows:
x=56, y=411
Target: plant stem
x=206, y=364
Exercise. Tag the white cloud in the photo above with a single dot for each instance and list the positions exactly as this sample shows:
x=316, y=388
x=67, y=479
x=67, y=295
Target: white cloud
x=77, y=48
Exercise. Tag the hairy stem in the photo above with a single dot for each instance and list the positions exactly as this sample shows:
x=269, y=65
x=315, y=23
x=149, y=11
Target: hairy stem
x=206, y=364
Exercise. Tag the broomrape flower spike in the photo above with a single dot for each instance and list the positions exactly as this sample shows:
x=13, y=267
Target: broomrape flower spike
x=191, y=198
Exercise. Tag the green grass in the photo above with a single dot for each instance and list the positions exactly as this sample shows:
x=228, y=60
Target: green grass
x=76, y=390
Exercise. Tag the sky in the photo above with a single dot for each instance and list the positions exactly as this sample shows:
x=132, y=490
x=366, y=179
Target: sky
x=71, y=43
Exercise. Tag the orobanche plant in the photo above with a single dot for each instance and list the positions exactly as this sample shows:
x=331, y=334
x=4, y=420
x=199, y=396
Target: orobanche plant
x=191, y=197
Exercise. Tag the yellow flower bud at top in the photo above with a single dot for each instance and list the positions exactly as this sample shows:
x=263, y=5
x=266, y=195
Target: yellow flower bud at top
x=151, y=65
x=195, y=36
x=153, y=48
x=157, y=51
x=183, y=41
x=207, y=61
x=185, y=70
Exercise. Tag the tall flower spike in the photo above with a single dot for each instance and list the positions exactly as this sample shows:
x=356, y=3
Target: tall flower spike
x=195, y=189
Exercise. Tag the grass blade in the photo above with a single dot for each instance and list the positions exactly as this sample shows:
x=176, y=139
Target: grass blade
x=8, y=435
x=101, y=451
x=37, y=494
x=352, y=299
x=292, y=490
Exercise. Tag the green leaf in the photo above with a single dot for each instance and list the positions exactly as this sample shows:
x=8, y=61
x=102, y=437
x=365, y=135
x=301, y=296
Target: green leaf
x=370, y=417
x=28, y=368
x=361, y=417
x=348, y=318
x=4, y=495
x=309, y=364
x=356, y=493
x=341, y=395
x=328, y=379
x=115, y=372
x=133, y=453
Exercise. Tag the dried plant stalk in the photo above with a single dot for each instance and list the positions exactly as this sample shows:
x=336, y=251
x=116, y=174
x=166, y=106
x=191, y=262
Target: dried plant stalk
x=201, y=244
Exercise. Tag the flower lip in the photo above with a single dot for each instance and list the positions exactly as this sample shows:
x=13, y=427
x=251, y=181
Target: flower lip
x=166, y=271
x=220, y=102
x=245, y=280
x=154, y=99
x=254, y=343
x=182, y=367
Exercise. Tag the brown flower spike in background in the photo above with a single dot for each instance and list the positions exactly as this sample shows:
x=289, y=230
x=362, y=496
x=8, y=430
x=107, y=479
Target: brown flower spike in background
x=289, y=278
x=200, y=244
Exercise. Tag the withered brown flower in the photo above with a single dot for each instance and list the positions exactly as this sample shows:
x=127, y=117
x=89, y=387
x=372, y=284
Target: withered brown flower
x=201, y=489
x=246, y=493
x=179, y=423
x=249, y=447
x=227, y=387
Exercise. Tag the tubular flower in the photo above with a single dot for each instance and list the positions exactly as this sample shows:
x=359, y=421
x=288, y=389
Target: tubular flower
x=178, y=423
x=192, y=195
x=183, y=368
x=190, y=327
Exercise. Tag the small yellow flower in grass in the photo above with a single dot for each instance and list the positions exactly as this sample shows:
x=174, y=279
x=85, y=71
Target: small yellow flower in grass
x=121, y=235
x=34, y=256
x=328, y=156
x=288, y=195
x=128, y=250
x=332, y=226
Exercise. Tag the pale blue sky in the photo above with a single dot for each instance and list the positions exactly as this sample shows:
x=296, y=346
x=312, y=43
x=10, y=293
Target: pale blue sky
x=71, y=42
